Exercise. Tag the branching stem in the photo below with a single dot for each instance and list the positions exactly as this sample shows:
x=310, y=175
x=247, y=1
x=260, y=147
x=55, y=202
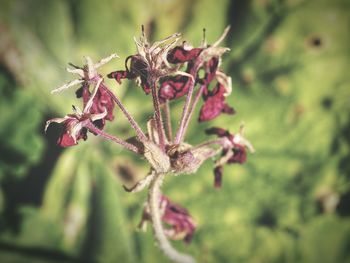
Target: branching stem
x=131, y=120
x=219, y=142
x=107, y=136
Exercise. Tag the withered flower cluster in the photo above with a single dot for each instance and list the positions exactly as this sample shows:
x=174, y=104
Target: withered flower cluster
x=166, y=71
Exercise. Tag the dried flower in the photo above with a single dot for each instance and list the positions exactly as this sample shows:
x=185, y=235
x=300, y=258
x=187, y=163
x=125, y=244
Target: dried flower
x=233, y=150
x=181, y=224
x=156, y=68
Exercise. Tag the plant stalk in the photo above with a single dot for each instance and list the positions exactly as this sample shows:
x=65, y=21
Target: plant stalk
x=164, y=244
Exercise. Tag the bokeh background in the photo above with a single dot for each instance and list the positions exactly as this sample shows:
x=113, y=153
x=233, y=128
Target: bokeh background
x=289, y=63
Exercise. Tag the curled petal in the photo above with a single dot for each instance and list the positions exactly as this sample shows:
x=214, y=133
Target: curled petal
x=173, y=87
x=182, y=224
x=226, y=81
x=217, y=131
x=100, y=106
x=119, y=75
x=181, y=55
x=210, y=70
x=57, y=120
x=239, y=155
x=214, y=104
x=66, y=140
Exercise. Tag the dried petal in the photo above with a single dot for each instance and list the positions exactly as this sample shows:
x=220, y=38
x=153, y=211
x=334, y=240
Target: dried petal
x=181, y=55
x=180, y=223
x=183, y=225
x=65, y=140
x=138, y=69
x=119, y=75
x=214, y=104
x=217, y=176
x=217, y=131
x=101, y=103
x=234, y=150
x=173, y=87
x=239, y=154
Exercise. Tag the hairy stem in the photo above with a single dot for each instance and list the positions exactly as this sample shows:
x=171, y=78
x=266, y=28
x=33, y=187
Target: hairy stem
x=220, y=142
x=158, y=116
x=164, y=244
x=180, y=131
x=169, y=129
x=107, y=136
x=131, y=120
x=191, y=110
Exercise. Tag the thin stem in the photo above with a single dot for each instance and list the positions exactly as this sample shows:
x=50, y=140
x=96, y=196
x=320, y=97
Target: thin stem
x=169, y=129
x=191, y=110
x=164, y=244
x=131, y=120
x=107, y=136
x=180, y=131
x=158, y=116
x=219, y=142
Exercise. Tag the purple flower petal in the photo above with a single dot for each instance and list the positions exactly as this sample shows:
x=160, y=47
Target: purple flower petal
x=173, y=87
x=181, y=55
x=214, y=104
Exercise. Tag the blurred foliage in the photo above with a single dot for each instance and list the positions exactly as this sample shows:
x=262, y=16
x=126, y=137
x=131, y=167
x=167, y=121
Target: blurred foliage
x=289, y=64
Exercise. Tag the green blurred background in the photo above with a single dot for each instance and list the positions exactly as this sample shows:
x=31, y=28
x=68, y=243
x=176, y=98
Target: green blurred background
x=289, y=63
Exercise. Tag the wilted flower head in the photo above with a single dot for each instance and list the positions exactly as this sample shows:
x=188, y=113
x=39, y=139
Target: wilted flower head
x=181, y=224
x=234, y=150
x=75, y=125
x=168, y=71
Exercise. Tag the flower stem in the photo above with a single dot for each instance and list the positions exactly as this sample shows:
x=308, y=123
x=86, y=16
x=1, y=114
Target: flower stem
x=181, y=130
x=169, y=129
x=164, y=244
x=158, y=116
x=191, y=110
x=131, y=120
x=107, y=136
x=220, y=142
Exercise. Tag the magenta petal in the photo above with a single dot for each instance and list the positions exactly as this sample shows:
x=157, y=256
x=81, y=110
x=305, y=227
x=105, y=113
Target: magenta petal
x=179, y=219
x=214, y=104
x=119, y=75
x=102, y=102
x=211, y=67
x=181, y=55
x=173, y=87
x=66, y=140
x=239, y=156
x=217, y=131
x=210, y=110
